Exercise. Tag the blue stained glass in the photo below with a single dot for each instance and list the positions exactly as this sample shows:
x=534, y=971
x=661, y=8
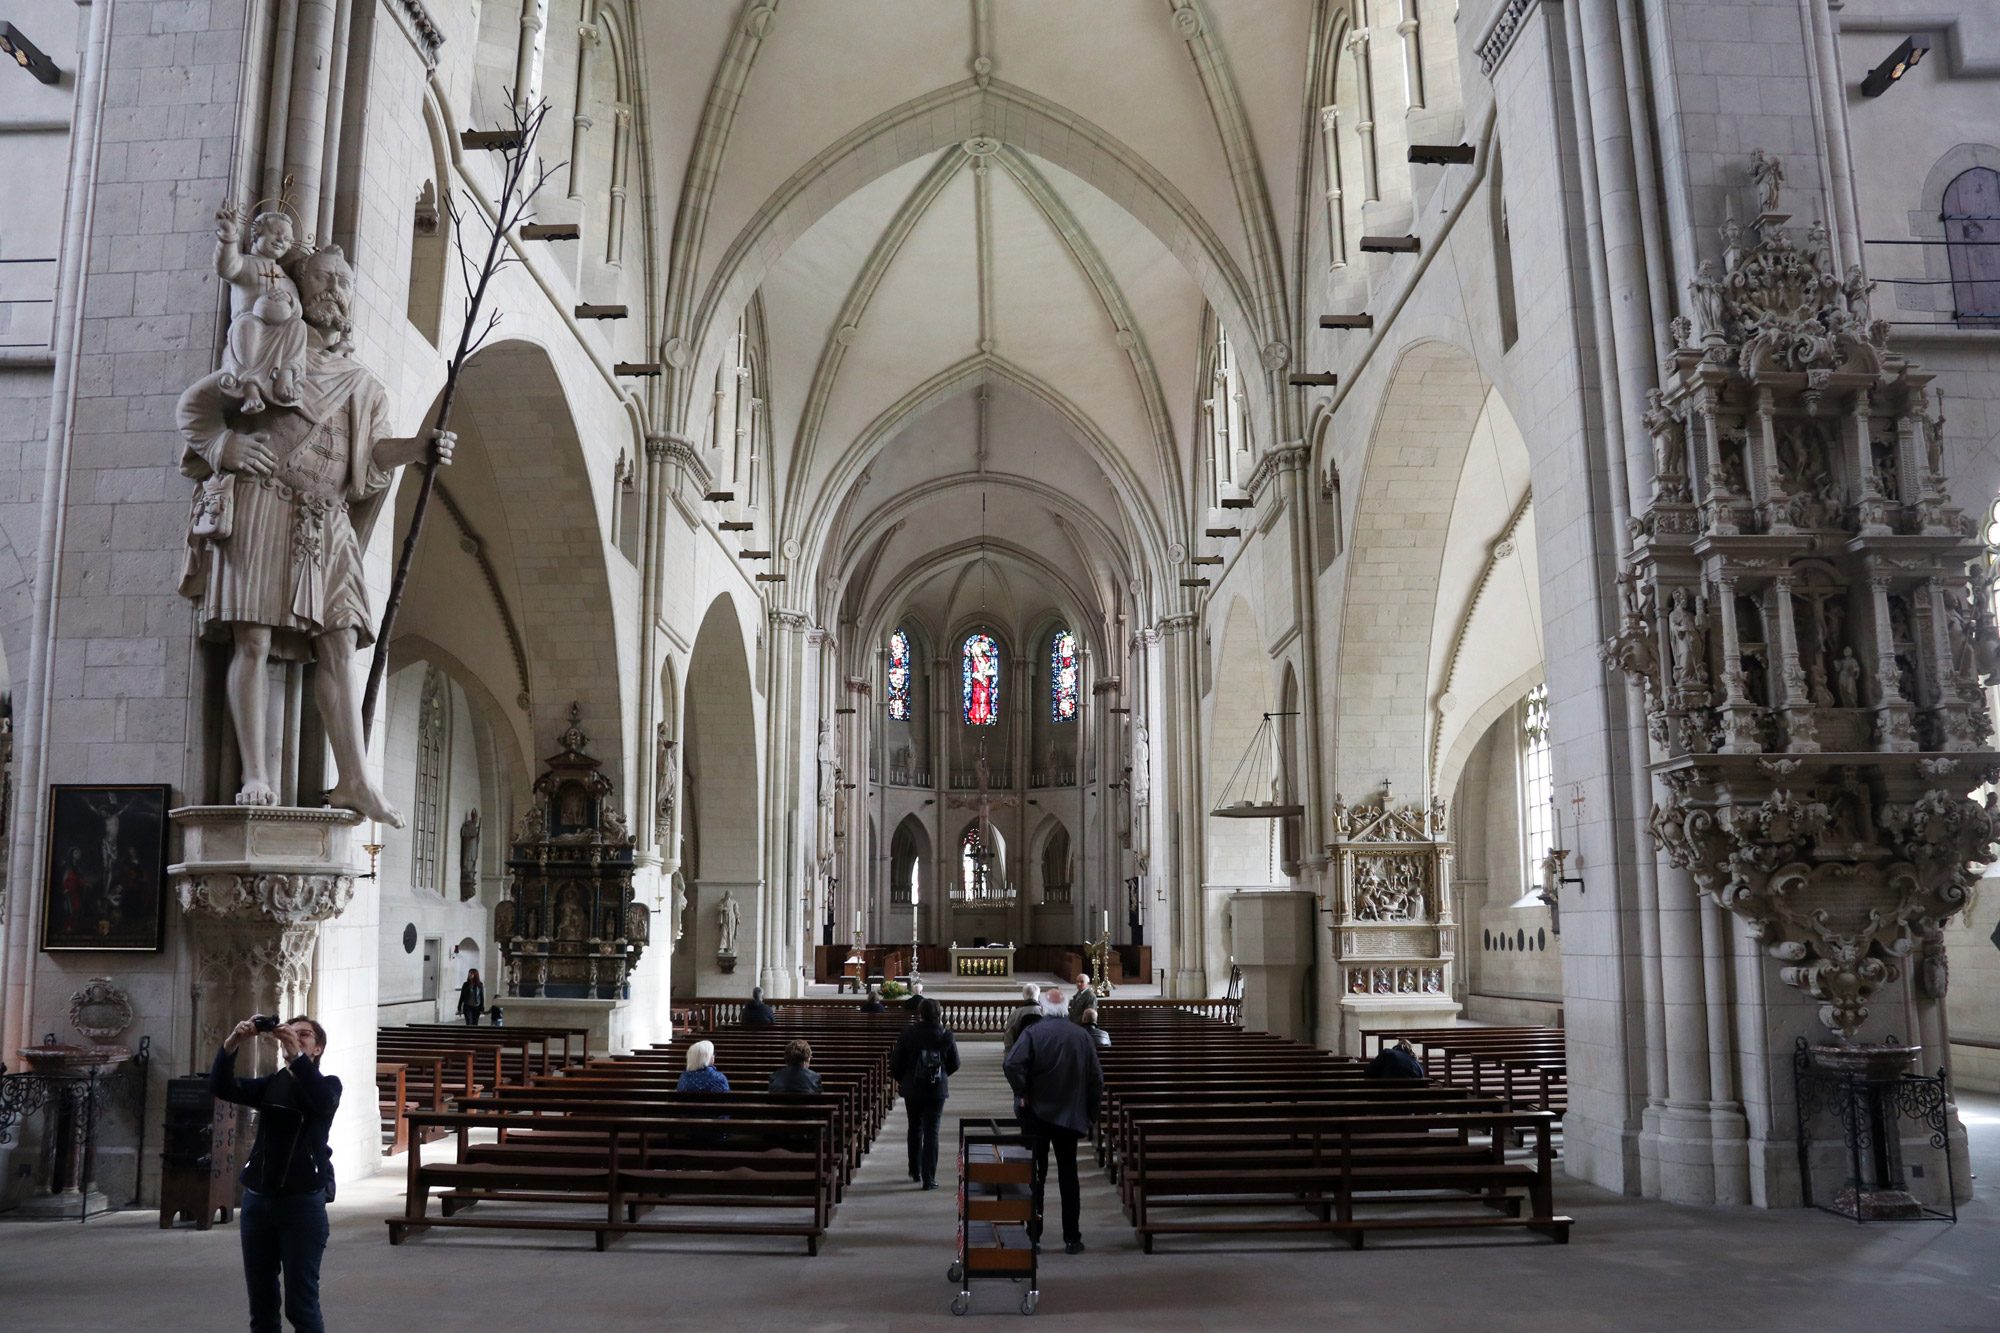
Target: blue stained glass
x=899, y=676
x=982, y=681
x=1063, y=676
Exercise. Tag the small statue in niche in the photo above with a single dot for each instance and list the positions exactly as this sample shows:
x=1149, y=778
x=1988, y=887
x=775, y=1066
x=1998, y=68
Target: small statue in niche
x=468, y=857
x=574, y=805
x=1706, y=290
x=264, y=359
x=680, y=905
x=1685, y=625
x=1847, y=678
x=638, y=924
x=729, y=920
x=1822, y=696
x=503, y=920
x=569, y=917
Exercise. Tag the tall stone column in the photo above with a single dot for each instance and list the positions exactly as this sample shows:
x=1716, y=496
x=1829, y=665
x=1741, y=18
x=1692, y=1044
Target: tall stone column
x=790, y=731
x=1176, y=794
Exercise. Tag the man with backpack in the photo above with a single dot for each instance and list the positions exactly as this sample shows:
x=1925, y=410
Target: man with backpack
x=925, y=1058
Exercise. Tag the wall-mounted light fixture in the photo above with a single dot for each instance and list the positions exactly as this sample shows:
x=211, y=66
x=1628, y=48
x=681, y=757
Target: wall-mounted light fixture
x=1900, y=62
x=27, y=55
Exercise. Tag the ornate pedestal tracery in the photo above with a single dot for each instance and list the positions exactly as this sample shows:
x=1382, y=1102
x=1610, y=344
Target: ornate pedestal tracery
x=568, y=926
x=1391, y=917
x=1799, y=612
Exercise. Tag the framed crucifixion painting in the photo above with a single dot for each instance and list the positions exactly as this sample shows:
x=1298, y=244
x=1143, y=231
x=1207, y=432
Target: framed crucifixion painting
x=105, y=882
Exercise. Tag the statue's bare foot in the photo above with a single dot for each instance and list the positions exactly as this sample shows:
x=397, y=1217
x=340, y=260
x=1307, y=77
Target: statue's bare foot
x=362, y=798
x=256, y=792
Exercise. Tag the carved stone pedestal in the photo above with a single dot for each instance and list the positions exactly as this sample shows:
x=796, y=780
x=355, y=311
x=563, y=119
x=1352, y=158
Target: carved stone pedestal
x=257, y=882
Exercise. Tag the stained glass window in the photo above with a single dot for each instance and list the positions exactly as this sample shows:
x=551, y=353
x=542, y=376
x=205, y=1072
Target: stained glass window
x=973, y=863
x=899, y=676
x=982, y=681
x=1062, y=676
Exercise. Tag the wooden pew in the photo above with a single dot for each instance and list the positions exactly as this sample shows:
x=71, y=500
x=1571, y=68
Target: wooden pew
x=628, y=1165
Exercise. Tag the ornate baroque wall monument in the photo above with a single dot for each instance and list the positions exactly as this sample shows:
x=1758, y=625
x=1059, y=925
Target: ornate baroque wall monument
x=1391, y=917
x=569, y=930
x=1807, y=616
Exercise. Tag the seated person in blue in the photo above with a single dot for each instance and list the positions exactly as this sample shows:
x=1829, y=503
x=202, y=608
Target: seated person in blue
x=701, y=1074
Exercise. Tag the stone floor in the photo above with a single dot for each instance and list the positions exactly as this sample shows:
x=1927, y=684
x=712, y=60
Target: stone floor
x=1630, y=1265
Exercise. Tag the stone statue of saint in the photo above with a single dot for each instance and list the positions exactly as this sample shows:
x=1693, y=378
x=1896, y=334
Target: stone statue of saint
x=729, y=918
x=285, y=501
x=468, y=857
x=680, y=905
x=1769, y=173
x=666, y=775
x=1847, y=679
x=1142, y=765
x=826, y=763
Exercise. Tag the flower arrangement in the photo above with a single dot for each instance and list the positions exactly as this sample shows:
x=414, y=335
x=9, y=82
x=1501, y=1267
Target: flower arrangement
x=895, y=990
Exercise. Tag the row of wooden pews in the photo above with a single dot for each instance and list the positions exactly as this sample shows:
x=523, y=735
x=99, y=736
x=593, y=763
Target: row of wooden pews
x=1524, y=1064
x=609, y=1147
x=1210, y=1128
x=427, y=1066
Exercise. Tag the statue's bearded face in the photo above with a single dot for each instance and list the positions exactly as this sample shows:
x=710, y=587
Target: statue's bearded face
x=326, y=292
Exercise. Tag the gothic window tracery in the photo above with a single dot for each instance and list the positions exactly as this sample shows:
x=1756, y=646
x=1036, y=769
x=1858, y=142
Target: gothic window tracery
x=1063, y=676
x=981, y=680
x=899, y=676
x=433, y=753
x=1537, y=784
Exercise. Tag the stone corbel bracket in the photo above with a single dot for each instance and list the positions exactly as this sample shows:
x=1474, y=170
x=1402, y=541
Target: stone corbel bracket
x=1844, y=867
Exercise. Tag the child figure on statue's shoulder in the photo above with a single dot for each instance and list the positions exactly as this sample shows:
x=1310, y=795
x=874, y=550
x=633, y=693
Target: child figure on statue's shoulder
x=267, y=331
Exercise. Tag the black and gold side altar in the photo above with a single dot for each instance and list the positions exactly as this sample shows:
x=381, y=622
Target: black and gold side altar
x=568, y=927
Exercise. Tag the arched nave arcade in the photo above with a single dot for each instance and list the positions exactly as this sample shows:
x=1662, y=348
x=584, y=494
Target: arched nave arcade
x=1010, y=472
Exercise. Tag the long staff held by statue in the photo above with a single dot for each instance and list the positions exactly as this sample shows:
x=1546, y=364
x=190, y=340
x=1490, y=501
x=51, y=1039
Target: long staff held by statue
x=518, y=187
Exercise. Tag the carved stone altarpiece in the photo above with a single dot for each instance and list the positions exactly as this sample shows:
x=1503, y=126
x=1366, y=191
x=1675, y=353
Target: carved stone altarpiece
x=1807, y=616
x=1391, y=915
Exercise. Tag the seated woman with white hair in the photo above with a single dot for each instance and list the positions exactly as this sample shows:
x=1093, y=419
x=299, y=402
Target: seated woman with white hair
x=702, y=1075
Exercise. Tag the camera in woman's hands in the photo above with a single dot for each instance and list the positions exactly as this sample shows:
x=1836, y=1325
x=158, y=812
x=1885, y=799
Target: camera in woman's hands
x=264, y=1022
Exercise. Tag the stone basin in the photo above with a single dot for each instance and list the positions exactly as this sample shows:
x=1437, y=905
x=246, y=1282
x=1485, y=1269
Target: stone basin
x=1870, y=1062
x=79, y=1060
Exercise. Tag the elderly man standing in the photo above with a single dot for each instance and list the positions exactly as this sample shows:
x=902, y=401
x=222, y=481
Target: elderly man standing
x=281, y=516
x=1057, y=1086
x=1084, y=998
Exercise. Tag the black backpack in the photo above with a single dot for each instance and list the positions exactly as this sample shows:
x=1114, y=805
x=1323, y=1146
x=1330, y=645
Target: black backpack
x=930, y=1068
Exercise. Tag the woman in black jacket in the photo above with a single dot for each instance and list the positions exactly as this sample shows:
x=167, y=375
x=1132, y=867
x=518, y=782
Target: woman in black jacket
x=472, y=998
x=925, y=1058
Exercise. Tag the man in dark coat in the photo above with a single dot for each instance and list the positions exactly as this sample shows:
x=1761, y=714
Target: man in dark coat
x=757, y=1013
x=1057, y=1086
x=289, y=1177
